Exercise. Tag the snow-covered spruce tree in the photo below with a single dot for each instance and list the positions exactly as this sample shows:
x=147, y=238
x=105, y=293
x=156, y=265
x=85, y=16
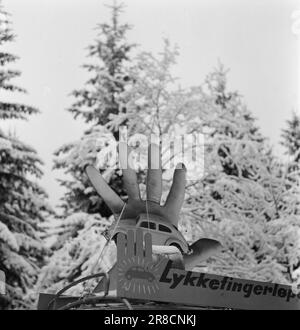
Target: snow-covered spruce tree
x=291, y=141
x=291, y=173
x=77, y=240
x=22, y=201
x=78, y=248
x=243, y=198
x=95, y=103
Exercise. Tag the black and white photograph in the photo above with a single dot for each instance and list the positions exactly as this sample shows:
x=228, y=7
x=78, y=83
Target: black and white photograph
x=150, y=157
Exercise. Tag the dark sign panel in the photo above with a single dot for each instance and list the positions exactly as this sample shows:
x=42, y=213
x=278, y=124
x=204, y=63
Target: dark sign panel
x=139, y=277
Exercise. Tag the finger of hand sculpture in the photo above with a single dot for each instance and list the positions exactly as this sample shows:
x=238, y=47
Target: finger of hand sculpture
x=154, y=174
x=113, y=201
x=176, y=195
x=129, y=174
x=202, y=249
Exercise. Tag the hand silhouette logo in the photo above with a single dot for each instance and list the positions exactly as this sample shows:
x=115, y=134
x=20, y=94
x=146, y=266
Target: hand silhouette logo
x=137, y=271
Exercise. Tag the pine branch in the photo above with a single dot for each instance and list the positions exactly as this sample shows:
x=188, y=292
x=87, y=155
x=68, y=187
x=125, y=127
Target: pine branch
x=16, y=111
x=6, y=58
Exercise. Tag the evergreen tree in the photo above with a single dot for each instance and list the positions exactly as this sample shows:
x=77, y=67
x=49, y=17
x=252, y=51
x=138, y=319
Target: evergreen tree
x=100, y=99
x=291, y=140
x=78, y=245
x=245, y=197
x=76, y=241
x=22, y=201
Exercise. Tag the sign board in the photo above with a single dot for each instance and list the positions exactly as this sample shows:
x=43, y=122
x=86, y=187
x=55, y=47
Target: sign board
x=140, y=277
x=2, y=283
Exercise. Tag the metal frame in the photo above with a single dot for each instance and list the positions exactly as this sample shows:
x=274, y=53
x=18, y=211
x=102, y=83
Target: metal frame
x=88, y=300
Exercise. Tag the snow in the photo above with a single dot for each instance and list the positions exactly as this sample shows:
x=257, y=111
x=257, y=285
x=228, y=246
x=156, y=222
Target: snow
x=7, y=237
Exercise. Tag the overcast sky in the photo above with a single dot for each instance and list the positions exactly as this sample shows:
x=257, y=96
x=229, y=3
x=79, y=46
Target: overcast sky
x=251, y=37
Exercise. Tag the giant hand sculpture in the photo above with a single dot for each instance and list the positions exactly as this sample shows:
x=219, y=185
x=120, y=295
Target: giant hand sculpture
x=160, y=220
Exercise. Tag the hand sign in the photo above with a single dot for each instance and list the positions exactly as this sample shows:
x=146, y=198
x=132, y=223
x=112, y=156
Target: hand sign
x=169, y=212
x=135, y=205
